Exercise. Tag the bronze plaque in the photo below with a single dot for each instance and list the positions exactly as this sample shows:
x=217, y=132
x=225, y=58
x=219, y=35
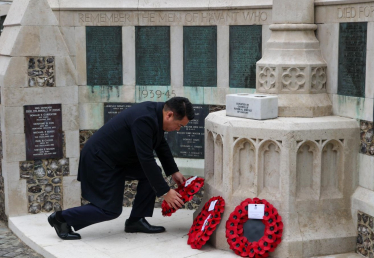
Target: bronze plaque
x=43, y=129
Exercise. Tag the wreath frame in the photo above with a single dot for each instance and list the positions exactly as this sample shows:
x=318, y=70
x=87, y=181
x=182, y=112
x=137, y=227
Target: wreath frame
x=187, y=194
x=272, y=233
x=197, y=237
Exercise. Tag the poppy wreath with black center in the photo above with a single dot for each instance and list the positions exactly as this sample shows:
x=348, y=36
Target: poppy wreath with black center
x=187, y=194
x=197, y=236
x=272, y=234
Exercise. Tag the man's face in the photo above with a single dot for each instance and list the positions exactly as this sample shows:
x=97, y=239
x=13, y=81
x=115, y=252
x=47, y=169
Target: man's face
x=171, y=124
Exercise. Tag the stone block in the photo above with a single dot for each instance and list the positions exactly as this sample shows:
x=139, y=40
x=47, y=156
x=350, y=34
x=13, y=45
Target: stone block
x=54, y=4
x=72, y=192
x=66, y=74
x=235, y=4
x=328, y=36
x=70, y=117
x=369, y=80
x=72, y=144
x=174, y=4
x=14, y=147
x=254, y=106
x=195, y=94
x=51, y=42
x=13, y=120
x=23, y=13
x=293, y=12
x=359, y=108
x=80, y=41
x=4, y=63
x=215, y=96
x=64, y=95
x=98, y=5
x=266, y=33
x=176, y=56
x=223, y=56
x=18, y=66
x=73, y=166
x=91, y=116
x=68, y=33
x=366, y=171
x=15, y=190
x=67, y=18
x=106, y=94
x=128, y=55
x=11, y=37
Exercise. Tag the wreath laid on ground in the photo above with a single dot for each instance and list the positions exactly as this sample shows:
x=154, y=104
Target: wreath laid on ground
x=206, y=222
x=187, y=191
x=272, y=234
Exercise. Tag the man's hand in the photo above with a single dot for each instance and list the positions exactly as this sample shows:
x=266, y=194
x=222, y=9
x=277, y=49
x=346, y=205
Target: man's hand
x=173, y=199
x=178, y=178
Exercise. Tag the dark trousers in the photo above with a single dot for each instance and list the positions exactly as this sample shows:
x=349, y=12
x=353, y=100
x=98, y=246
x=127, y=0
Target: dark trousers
x=83, y=216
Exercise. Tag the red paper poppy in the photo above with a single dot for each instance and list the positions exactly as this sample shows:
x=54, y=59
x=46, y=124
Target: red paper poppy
x=206, y=222
x=273, y=230
x=187, y=193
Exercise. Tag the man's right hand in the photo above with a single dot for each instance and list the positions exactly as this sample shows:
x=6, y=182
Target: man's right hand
x=173, y=199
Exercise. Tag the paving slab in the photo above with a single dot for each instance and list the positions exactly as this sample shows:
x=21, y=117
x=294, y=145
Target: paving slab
x=108, y=239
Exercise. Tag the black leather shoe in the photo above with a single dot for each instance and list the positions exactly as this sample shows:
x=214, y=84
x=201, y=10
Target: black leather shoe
x=142, y=226
x=63, y=230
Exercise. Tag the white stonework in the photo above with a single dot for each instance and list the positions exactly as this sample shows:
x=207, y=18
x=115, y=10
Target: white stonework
x=176, y=56
x=72, y=192
x=31, y=29
x=254, y=106
x=305, y=167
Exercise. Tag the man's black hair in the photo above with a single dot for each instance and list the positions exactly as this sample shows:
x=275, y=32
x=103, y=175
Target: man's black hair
x=181, y=107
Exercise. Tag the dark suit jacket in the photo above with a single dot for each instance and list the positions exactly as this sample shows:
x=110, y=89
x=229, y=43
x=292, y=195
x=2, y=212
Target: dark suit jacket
x=122, y=143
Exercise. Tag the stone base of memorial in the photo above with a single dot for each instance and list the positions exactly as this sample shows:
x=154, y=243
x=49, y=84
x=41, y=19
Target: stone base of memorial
x=303, y=166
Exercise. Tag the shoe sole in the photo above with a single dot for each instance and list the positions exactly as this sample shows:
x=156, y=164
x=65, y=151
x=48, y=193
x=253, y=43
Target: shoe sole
x=137, y=231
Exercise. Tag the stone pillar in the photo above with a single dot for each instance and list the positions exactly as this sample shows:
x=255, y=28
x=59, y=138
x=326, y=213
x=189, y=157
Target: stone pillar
x=292, y=65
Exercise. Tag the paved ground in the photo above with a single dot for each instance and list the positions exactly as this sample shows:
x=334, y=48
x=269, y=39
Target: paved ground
x=12, y=246
x=108, y=240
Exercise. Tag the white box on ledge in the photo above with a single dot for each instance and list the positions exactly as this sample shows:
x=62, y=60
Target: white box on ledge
x=254, y=106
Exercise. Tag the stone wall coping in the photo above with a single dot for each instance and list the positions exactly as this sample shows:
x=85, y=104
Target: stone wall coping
x=145, y=5
x=339, y=2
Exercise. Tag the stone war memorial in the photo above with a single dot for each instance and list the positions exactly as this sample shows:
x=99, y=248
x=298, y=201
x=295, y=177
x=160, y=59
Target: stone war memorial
x=68, y=67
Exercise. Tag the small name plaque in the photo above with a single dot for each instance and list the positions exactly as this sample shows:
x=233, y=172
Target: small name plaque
x=43, y=129
x=254, y=106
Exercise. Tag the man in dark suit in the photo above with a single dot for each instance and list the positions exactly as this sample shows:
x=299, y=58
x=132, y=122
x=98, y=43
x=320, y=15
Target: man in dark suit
x=123, y=150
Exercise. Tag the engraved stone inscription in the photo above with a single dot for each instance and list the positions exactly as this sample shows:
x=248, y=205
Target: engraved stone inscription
x=200, y=56
x=104, y=55
x=242, y=108
x=43, y=129
x=113, y=109
x=365, y=11
x=166, y=18
x=245, y=51
x=352, y=59
x=152, y=55
x=188, y=142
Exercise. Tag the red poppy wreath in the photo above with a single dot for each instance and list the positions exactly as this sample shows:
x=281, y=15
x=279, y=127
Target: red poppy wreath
x=187, y=190
x=272, y=234
x=206, y=222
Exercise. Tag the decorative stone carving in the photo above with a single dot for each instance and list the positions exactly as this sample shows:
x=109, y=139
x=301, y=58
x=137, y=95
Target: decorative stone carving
x=218, y=160
x=244, y=166
x=307, y=171
x=331, y=172
x=269, y=169
x=266, y=78
x=293, y=78
x=319, y=78
x=304, y=167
